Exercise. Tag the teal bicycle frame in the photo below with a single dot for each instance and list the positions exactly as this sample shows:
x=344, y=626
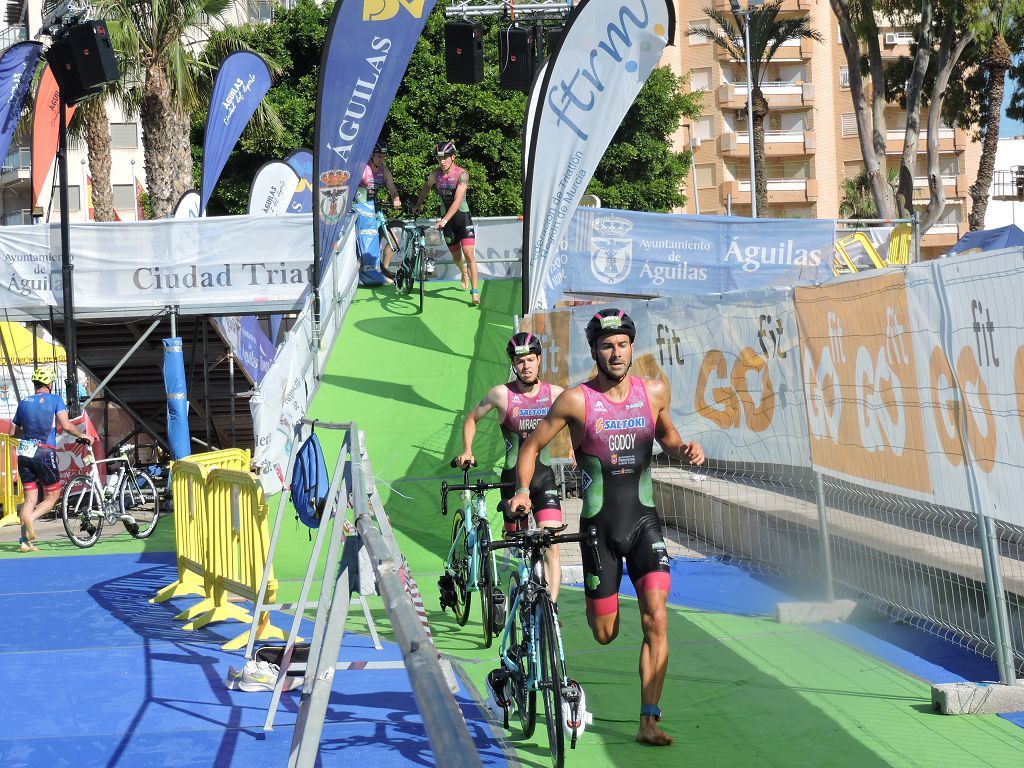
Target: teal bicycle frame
x=469, y=564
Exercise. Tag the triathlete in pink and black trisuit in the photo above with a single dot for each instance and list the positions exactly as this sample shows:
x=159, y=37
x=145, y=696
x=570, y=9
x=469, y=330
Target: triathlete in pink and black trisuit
x=521, y=404
x=452, y=183
x=614, y=419
x=615, y=459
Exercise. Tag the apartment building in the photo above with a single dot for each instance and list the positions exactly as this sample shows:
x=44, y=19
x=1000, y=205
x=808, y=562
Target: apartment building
x=811, y=141
x=21, y=21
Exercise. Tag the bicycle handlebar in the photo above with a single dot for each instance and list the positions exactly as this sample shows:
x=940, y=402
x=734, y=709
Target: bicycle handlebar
x=455, y=463
x=542, y=538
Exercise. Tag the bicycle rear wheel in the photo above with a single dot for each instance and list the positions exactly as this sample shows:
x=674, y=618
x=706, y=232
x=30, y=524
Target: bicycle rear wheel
x=526, y=700
x=81, y=511
x=142, y=502
x=550, y=679
x=460, y=569
x=487, y=586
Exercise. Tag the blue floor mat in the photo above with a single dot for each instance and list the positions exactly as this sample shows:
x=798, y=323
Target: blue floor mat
x=95, y=675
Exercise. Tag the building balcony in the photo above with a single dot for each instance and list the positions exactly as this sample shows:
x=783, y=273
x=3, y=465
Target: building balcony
x=779, y=191
x=780, y=95
x=776, y=144
x=955, y=185
x=793, y=49
x=18, y=218
x=788, y=6
x=950, y=140
x=941, y=237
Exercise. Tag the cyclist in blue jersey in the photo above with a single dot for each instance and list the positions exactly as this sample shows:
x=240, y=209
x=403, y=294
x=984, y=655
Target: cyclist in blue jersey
x=36, y=423
x=613, y=420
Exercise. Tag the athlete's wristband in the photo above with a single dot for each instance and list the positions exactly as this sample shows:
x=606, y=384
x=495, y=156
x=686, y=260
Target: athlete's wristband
x=522, y=490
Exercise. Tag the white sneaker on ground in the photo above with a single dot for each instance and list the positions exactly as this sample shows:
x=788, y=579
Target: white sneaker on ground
x=259, y=676
x=429, y=267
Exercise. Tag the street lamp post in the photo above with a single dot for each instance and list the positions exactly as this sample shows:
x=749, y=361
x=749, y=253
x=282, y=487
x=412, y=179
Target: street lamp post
x=750, y=103
x=694, y=145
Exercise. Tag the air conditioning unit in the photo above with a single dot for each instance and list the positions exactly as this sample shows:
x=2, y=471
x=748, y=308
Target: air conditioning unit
x=891, y=38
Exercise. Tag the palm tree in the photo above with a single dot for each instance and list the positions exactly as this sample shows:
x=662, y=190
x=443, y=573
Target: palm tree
x=94, y=127
x=151, y=39
x=767, y=33
x=998, y=60
x=858, y=202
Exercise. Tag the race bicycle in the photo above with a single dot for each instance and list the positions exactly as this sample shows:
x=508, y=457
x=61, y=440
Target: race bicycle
x=128, y=495
x=470, y=566
x=532, y=657
x=410, y=246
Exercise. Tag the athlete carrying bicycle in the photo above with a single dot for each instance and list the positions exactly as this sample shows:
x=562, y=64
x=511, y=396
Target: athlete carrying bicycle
x=520, y=405
x=613, y=420
x=36, y=423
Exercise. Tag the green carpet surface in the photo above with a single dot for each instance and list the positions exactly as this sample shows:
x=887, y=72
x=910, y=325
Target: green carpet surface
x=740, y=691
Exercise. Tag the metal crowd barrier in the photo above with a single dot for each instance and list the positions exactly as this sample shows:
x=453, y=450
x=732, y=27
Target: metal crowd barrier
x=11, y=492
x=221, y=537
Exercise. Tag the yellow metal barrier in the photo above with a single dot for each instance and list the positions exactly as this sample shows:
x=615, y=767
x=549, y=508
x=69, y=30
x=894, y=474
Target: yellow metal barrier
x=846, y=250
x=190, y=490
x=11, y=492
x=241, y=538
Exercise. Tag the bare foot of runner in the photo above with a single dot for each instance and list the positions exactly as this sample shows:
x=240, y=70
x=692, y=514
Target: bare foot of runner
x=465, y=281
x=650, y=733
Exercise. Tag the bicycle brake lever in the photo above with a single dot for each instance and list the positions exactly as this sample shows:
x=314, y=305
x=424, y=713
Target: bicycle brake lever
x=592, y=540
x=444, y=498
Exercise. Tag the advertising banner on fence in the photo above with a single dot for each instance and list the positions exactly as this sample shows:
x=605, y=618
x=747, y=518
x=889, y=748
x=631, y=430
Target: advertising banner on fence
x=301, y=160
x=656, y=254
x=976, y=371
x=272, y=189
x=861, y=379
x=45, y=129
x=17, y=67
x=366, y=52
x=609, y=47
x=734, y=369
x=242, y=81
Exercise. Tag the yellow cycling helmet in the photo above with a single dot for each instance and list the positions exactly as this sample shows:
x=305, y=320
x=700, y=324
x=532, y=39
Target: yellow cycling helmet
x=44, y=376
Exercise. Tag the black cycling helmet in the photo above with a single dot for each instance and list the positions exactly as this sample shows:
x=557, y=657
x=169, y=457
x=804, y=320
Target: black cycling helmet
x=523, y=344
x=380, y=147
x=445, y=148
x=609, y=322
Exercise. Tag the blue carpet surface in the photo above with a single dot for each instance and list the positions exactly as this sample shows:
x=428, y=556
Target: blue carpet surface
x=95, y=675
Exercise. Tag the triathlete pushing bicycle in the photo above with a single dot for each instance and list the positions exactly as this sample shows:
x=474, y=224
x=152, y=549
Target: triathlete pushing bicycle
x=613, y=420
x=520, y=405
x=36, y=421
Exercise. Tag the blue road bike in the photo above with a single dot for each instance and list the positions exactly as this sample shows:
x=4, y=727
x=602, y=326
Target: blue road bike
x=532, y=657
x=470, y=566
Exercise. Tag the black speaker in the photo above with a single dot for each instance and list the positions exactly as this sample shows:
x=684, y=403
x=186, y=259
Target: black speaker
x=82, y=61
x=554, y=39
x=515, y=58
x=464, y=52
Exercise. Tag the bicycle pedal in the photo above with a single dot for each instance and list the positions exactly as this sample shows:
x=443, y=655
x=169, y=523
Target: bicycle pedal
x=497, y=612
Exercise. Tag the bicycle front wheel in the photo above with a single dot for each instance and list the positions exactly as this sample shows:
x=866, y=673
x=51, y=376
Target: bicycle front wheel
x=81, y=511
x=140, y=500
x=519, y=647
x=487, y=586
x=460, y=569
x=422, y=269
x=550, y=679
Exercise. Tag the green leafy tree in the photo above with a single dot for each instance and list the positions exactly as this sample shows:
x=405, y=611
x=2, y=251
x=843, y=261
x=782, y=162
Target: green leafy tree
x=639, y=171
x=767, y=33
x=858, y=202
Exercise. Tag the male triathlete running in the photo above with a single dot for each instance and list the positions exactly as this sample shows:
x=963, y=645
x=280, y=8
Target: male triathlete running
x=520, y=405
x=614, y=419
x=451, y=183
x=36, y=420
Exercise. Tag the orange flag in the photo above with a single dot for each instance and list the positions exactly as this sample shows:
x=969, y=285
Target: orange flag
x=45, y=119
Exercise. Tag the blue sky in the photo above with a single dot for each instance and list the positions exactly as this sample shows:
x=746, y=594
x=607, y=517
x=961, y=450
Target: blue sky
x=1008, y=127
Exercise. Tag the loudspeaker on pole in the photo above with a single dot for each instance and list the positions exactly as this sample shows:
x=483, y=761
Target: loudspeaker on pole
x=464, y=52
x=82, y=61
x=515, y=58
